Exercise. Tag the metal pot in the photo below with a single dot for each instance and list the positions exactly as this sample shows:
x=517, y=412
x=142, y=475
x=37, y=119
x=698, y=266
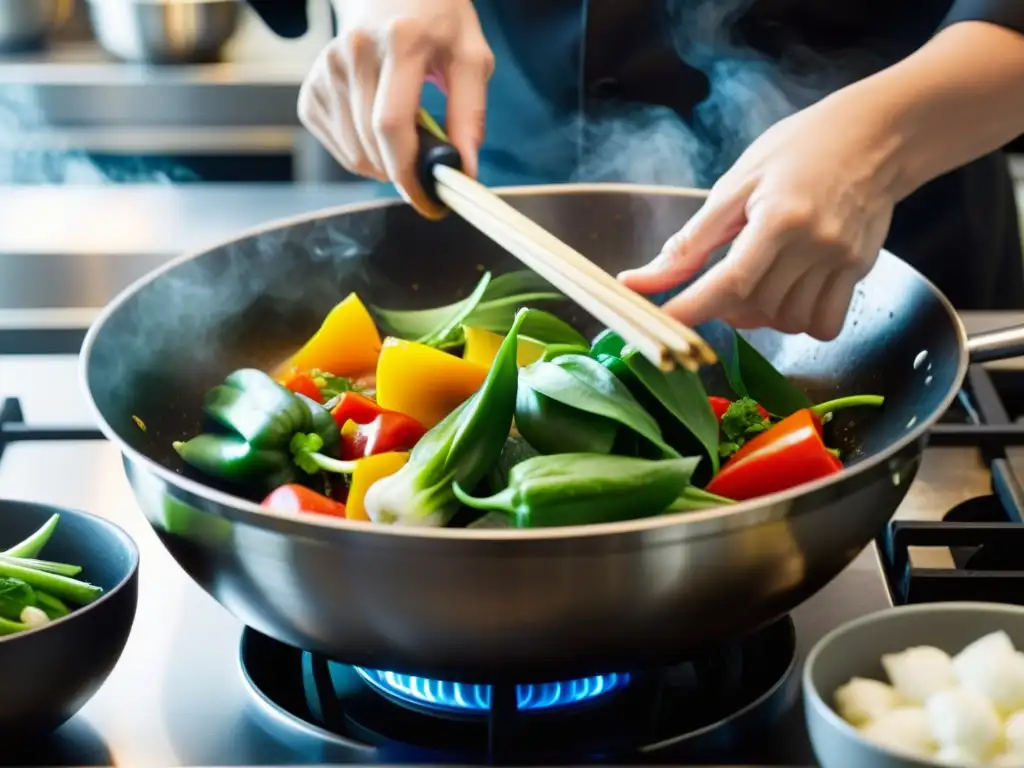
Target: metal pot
x=502, y=605
x=164, y=31
x=26, y=24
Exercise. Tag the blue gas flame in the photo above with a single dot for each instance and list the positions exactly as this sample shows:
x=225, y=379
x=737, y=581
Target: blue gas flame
x=476, y=698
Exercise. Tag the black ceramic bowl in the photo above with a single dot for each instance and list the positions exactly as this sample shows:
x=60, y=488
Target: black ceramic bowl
x=47, y=674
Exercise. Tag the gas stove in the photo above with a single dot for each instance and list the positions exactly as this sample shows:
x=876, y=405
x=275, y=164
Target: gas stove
x=196, y=688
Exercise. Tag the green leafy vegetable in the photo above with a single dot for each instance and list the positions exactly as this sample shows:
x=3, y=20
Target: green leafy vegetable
x=681, y=394
x=492, y=306
x=551, y=426
x=449, y=331
x=15, y=596
x=741, y=421
x=587, y=387
x=751, y=375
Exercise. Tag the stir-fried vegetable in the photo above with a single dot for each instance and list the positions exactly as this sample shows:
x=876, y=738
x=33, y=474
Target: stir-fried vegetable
x=32, y=591
x=424, y=382
x=299, y=498
x=368, y=429
x=583, y=488
x=265, y=419
x=490, y=404
x=367, y=472
x=553, y=396
x=788, y=454
x=481, y=347
x=461, y=449
x=346, y=345
x=740, y=421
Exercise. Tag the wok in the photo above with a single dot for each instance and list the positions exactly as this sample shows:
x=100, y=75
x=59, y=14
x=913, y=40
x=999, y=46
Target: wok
x=521, y=605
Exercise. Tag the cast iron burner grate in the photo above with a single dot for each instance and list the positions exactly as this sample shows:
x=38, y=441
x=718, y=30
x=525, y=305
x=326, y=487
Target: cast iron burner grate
x=984, y=535
x=719, y=707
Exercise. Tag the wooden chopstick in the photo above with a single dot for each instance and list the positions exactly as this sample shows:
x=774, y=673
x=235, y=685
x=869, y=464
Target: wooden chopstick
x=661, y=339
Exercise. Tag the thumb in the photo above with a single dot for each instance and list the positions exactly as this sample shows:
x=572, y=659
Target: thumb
x=466, y=79
x=718, y=221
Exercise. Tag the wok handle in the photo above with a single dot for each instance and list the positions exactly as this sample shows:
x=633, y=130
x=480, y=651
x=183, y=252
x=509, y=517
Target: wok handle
x=1003, y=344
x=434, y=150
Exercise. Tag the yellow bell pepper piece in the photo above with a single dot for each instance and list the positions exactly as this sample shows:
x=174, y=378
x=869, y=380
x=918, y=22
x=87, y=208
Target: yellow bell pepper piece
x=347, y=343
x=481, y=346
x=367, y=472
x=424, y=382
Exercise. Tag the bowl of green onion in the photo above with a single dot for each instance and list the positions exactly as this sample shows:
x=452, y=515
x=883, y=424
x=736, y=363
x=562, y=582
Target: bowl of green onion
x=68, y=594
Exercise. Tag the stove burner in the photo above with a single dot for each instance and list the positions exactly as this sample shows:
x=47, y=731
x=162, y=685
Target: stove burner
x=722, y=707
x=465, y=698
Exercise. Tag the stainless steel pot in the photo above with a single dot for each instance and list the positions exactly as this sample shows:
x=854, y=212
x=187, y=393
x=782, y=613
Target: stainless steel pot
x=165, y=31
x=26, y=24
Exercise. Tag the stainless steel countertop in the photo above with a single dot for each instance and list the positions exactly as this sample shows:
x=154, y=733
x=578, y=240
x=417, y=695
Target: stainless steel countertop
x=176, y=697
x=137, y=220
x=77, y=247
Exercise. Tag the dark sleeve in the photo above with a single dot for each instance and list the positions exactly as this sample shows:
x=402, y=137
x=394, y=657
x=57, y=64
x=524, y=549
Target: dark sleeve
x=1005, y=13
x=286, y=18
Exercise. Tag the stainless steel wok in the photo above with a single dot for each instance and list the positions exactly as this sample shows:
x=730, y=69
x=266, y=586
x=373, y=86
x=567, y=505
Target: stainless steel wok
x=525, y=605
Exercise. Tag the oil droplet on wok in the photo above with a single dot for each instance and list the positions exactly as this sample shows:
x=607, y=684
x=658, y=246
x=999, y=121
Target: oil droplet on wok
x=922, y=356
x=896, y=479
x=928, y=380
x=912, y=422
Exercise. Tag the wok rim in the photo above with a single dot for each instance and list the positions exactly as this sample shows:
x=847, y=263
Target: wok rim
x=251, y=513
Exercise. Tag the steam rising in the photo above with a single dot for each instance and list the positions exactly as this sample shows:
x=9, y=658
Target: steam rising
x=32, y=152
x=748, y=94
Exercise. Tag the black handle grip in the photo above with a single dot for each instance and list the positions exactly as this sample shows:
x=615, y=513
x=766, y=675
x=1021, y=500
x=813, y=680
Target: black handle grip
x=433, y=152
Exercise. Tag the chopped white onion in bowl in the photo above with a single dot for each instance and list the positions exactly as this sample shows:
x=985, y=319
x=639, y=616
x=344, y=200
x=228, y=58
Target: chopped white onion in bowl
x=967, y=710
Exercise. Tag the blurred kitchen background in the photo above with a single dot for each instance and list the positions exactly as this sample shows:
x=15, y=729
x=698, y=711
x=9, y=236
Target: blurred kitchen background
x=133, y=131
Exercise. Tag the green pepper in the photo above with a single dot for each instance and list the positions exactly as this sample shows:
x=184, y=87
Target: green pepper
x=586, y=489
x=253, y=405
x=230, y=457
x=267, y=419
x=461, y=448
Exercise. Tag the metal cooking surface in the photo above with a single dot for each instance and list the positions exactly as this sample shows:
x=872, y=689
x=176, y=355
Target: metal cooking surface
x=177, y=697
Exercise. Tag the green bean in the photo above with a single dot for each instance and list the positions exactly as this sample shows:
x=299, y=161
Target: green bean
x=50, y=605
x=79, y=592
x=61, y=569
x=34, y=544
x=8, y=627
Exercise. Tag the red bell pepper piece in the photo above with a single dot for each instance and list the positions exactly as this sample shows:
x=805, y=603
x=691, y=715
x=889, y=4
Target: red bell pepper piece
x=377, y=430
x=721, y=404
x=788, y=454
x=298, y=498
x=303, y=384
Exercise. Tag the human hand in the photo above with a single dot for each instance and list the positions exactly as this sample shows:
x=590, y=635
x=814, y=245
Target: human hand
x=809, y=205
x=362, y=95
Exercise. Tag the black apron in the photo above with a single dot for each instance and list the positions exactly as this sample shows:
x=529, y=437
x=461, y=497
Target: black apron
x=672, y=91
